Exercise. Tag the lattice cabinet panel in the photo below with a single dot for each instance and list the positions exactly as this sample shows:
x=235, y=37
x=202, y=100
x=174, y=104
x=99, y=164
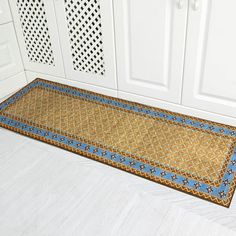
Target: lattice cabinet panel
x=36, y=27
x=86, y=34
x=35, y=31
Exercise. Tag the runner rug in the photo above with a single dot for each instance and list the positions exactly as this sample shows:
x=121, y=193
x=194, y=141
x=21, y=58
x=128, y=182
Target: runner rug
x=189, y=154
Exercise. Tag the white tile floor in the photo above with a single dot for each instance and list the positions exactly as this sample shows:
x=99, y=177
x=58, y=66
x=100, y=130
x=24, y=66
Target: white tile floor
x=46, y=191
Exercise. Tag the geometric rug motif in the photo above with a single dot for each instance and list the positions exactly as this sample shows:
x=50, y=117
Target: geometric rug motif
x=186, y=153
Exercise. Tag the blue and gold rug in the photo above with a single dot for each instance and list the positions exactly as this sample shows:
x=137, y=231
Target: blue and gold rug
x=189, y=154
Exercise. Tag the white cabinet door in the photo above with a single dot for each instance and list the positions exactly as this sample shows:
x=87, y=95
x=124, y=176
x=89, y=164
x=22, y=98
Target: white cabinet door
x=5, y=14
x=12, y=76
x=150, y=41
x=10, y=59
x=210, y=68
x=87, y=38
x=36, y=28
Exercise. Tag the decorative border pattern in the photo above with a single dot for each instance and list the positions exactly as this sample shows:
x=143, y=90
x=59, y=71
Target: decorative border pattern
x=221, y=194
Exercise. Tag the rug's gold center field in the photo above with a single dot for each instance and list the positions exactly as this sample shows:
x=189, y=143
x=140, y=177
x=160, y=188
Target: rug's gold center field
x=182, y=148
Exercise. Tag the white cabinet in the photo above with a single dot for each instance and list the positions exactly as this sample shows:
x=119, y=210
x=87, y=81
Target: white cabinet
x=160, y=42
x=87, y=39
x=5, y=14
x=210, y=64
x=36, y=27
x=175, y=54
x=150, y=41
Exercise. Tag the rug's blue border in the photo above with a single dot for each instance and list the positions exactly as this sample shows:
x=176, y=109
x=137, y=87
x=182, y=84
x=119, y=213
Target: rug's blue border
x=220, y=192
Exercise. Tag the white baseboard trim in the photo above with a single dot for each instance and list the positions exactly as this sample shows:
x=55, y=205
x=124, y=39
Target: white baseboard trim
x=12, y=84
x=178, y=108
x=33, y=75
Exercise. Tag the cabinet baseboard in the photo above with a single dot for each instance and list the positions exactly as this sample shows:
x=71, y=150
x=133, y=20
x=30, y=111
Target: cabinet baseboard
x=178, y=108
x=97, y=89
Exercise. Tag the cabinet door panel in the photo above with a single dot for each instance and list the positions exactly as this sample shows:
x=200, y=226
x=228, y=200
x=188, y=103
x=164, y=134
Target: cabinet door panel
x=10, y=59
x=5, y=15
x=36, y=29
x=150, y=38
x=210, y=71
x=86, y=33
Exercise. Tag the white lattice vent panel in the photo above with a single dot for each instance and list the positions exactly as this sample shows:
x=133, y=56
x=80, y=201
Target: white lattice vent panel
x=35, y=31
x=85, y=32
